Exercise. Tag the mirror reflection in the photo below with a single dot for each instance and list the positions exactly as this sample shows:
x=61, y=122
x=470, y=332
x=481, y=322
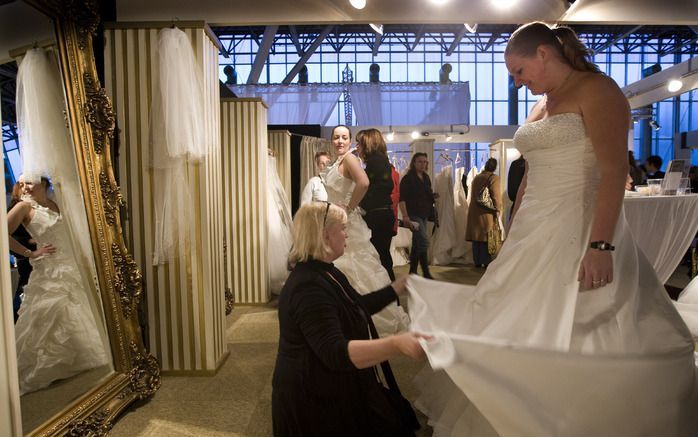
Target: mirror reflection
x=62, y=345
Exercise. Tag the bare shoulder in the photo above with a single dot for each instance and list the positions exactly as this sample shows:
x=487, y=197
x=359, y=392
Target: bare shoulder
x=597, y=91
x=598, y=85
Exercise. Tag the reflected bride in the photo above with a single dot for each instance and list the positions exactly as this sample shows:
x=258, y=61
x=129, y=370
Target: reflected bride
x=57, y=331
x=57, y=335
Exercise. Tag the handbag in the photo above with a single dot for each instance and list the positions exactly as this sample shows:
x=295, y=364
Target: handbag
x=484, y=198
x=494, y=238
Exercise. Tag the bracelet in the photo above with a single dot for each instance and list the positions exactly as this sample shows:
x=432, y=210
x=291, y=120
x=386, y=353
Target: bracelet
x=602, y=245
x=28, y=253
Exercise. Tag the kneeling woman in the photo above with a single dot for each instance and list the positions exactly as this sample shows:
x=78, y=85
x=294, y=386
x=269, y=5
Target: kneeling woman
x=326, y=380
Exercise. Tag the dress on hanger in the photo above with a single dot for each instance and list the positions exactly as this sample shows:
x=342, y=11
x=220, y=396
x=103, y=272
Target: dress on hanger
x=360, y=262
x=445, y=235
x=279, y=225
x=57, y=334
x=402, y=242
x=525, y=352
x=462, y=252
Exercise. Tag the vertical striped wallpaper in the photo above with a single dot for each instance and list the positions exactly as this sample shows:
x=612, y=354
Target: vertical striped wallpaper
x=280, y=144
x=185, y=298
x=244, y=144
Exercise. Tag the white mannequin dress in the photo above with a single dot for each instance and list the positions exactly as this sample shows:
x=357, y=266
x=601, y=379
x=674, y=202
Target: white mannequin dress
x=57, y=334
x=444, y=239
x=527, y=353
x=279, y=226
x=360, y=262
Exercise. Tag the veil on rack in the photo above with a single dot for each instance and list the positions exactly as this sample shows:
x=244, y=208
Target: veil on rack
x=178, y=138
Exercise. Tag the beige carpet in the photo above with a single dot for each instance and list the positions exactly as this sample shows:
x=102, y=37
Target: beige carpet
x=237, y=401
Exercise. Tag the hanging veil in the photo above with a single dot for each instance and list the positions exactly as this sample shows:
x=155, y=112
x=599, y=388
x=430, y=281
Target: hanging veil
x=178, y=138
x=47, y=151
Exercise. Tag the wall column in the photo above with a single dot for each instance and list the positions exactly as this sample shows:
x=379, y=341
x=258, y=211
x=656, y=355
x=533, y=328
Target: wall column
x=185, y=298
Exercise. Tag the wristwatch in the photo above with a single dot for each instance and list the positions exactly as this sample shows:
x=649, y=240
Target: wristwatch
x=28, y=253
x=602, y=245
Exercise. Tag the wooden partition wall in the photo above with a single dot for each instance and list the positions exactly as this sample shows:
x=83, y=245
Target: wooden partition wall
x=244, y=142
x=185, y=298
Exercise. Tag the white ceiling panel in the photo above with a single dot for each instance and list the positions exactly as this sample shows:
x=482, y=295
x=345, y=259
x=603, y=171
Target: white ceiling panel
x=254, y=12
x=679, y=12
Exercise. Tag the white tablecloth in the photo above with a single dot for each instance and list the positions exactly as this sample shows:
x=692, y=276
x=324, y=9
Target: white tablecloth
x=663, y=227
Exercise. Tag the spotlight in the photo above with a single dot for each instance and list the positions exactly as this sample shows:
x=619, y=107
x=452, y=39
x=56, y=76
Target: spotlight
x=378, y=28
x=414, y=134
x=390, y=136
x=439, y=2
x=654, y=125
x=674, y=85
x=503, y=4
x=449, y=137
x=358, y=4
x=471, y=28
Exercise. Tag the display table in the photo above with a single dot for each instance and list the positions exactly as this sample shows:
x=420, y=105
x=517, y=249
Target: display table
x=663, y=228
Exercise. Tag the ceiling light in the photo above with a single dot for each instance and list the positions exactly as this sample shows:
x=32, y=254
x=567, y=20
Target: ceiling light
x=390, y=136
x=414, y=134
x=439, y=2
x=503, y=4
x=358, y=4
x=378, y=28
x=674, y=85
x=449, y=137
x=471, y=28
x=654, y=125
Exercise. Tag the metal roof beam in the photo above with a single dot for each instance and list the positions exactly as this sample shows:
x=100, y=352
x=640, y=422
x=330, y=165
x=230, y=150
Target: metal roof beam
x=262, y=54
x=308, y=53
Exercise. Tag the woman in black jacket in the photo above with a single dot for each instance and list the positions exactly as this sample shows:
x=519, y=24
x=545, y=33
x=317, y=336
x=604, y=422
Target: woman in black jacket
x=326, y=380
x=377, y=202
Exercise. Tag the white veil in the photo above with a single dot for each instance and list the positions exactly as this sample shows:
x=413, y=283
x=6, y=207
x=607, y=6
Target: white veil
x=47, y=151
x=178, y=137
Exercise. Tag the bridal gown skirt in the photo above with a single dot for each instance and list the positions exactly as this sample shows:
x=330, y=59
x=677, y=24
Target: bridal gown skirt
x=361, y=265
x=525, y=352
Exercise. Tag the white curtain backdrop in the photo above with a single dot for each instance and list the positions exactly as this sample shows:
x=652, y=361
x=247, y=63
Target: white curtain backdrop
x=384, y=104
x=380, y=104
x=309, y=147
x=294, y=104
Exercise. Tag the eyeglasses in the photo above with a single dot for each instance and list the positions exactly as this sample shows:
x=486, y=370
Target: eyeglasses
x=324, y=220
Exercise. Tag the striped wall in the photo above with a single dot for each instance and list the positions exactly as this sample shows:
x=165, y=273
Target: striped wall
x=280, y=144
x=244, y=143
x=185, y=298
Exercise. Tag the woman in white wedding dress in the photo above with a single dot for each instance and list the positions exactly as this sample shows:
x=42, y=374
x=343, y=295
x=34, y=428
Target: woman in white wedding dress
x=346, y=184
x=56, y=333
x=562, y=336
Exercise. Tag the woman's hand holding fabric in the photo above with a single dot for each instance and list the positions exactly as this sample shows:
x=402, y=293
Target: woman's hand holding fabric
x=596, y=269
x=408, y=344
x=400, y=285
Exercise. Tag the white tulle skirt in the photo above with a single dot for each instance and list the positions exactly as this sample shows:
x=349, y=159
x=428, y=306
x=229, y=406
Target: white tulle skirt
x=361, y=265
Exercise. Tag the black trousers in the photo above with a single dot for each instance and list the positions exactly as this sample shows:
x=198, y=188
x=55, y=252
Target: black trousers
x=480, y=254
x=380, y=222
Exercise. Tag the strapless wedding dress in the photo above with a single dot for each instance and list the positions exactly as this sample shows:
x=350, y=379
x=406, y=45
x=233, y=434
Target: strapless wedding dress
x=360, y=262
x=57, y=334
x=525, y=353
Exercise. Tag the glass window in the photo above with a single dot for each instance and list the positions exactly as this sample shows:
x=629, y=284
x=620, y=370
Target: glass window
x=398, y=73
x=501, y=113
x=431, y=73
x=415, y=72
x=501, y=82
x=484, y=113
x=484, y=82
x=330, y=73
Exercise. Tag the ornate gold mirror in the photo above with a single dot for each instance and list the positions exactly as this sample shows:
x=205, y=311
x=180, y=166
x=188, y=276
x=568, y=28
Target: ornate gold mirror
x=79, y=354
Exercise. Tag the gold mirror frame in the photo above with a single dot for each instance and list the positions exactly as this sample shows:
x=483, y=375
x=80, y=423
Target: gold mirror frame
x=136, y=373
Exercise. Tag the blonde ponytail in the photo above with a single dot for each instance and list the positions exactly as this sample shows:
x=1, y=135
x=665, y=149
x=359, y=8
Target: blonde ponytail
x=574, y=51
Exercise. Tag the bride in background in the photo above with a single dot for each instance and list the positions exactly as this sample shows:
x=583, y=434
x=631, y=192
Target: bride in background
x=346, y=184
x=569, y=332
